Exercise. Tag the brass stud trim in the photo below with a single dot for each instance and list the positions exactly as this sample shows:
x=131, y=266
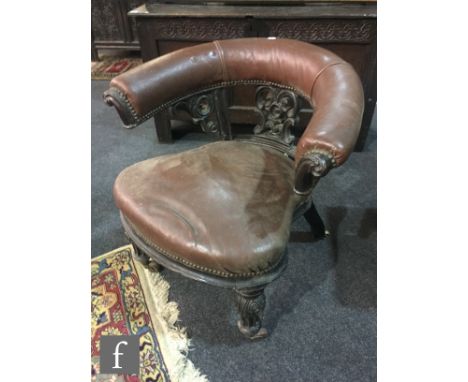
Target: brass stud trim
x=189, y=264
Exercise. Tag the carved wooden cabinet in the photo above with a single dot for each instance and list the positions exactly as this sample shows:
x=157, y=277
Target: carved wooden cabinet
x=347, y=28
x=111, y=27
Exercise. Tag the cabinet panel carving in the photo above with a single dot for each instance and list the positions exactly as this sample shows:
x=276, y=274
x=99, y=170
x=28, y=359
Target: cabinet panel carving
x=323, y=30
x=200, y=30
x=104, y=20
x=110, y=24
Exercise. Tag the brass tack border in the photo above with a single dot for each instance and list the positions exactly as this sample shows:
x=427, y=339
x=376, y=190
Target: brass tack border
x=140, y=119
x=196, y=266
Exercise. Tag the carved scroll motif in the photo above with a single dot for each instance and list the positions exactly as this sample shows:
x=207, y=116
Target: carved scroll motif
x=201, y=109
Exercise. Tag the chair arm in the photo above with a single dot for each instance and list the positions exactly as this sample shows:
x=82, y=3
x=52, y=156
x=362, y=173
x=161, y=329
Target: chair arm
x=311, y=167
x=114, y=97
x=153, y=86
x=330, y=84
x=332, y=132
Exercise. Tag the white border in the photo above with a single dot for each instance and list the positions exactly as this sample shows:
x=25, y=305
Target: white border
x=45, y=191
x=422, y=192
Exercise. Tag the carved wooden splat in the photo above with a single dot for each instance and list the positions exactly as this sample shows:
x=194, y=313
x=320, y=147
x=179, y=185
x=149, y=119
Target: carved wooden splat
x=279, y=108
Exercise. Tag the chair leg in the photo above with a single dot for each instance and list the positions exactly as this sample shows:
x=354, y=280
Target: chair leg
x=250, y=304
x=163, y=127
x=316, y=223
x=145, y=260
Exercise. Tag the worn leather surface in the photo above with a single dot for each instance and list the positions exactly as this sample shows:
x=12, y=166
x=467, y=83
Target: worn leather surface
x=331, y=84
x=223, y=209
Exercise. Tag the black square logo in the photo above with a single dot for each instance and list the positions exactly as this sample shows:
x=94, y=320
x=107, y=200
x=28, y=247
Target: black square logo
x=119, y=355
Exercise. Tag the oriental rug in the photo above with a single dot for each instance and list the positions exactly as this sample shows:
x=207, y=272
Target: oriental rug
x=109, y=67
x=127, y=299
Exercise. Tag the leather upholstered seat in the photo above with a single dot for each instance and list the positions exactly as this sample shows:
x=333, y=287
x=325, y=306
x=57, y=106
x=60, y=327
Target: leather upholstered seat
x=223, y=209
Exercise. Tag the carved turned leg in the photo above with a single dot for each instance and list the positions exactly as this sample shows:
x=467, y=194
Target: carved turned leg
x=250, y=304
x=316, y=223
x=145, y=260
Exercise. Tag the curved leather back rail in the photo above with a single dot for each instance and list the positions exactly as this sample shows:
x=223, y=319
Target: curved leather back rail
x=329, y=83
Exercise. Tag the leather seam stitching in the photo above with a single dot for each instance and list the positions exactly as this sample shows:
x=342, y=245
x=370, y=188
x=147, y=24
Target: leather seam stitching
x=320, y=73
x=221, y=58
x=333, y=151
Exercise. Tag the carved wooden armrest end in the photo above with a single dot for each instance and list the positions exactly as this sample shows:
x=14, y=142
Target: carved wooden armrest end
x=113, y=97
x=311, y=167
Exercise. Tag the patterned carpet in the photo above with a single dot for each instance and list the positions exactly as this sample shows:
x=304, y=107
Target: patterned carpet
x=109, y=67
x=126, y=299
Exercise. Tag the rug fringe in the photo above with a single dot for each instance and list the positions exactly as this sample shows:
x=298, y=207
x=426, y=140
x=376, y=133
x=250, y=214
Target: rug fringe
x=178, y=344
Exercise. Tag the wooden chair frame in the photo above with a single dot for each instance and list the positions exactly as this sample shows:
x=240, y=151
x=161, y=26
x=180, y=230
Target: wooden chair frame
x=208, y=108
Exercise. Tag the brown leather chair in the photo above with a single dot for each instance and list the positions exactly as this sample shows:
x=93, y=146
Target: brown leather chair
x=221, y=213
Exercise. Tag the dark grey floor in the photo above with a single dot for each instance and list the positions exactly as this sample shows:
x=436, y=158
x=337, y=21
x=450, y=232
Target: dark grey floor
x=321, y=314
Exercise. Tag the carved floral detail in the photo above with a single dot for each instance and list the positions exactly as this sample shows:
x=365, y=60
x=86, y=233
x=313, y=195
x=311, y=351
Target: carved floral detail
x=279, y=109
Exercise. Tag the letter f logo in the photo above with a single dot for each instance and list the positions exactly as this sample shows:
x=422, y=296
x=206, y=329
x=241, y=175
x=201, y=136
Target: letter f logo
x=117, y=355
